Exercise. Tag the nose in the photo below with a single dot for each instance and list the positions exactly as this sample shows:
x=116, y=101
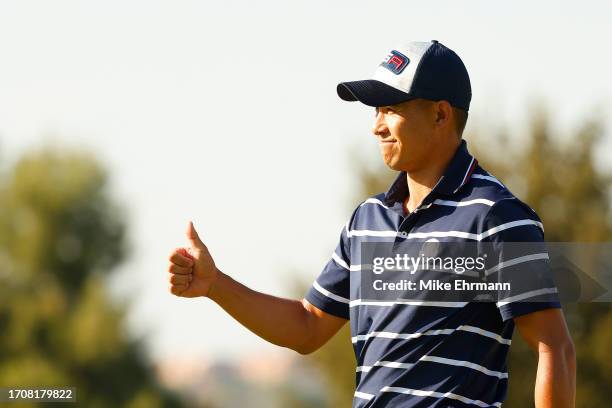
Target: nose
x=380, y=127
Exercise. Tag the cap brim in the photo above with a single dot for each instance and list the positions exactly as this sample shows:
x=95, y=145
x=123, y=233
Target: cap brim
x=372, y=93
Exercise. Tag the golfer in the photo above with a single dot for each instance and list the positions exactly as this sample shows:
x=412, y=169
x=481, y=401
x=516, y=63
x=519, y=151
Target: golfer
x=414, y=353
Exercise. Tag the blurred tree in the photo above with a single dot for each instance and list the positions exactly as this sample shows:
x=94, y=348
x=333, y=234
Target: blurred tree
x=336, y=360
x=561, y=182
x=60, y=235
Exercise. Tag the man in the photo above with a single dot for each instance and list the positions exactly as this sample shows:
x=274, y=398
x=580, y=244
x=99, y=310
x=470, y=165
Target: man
x=411, y=353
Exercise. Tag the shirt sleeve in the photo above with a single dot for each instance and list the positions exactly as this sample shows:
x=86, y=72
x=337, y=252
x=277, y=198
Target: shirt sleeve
x=330, y=291
x=515, y=236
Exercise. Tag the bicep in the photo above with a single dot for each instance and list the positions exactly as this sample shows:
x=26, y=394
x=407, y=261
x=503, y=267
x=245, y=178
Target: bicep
x=322, y=326
x=544, y=329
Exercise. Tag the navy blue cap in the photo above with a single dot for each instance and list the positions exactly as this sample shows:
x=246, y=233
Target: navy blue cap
x=427, y=70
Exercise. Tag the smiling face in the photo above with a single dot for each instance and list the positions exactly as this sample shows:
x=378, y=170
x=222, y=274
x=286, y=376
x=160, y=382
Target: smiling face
x=411, y=133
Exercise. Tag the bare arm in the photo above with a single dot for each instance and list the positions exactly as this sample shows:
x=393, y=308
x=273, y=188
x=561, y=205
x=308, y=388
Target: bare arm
x=286, y=322
x=290, y=323
x=546, y=333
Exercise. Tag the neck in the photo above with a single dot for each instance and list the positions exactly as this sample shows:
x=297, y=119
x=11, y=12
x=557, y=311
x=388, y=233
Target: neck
x=422, y=181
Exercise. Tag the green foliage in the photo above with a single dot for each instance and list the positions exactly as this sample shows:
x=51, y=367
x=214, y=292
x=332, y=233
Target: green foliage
x=60, y=235
x=560, y=181
x=336, y=360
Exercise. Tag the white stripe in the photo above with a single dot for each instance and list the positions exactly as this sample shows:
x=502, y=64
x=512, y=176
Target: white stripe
x=509, y=225
x=352, y=268
x=363, y=395
x=328, y=293
x=403, y=336
x=360, y=302
x=516, y=261
x=340, y=261
x=356, y=268
x=409, y=336
x=490, y=178
x=423, y=207
x=526, y=295
x=486, y=333
x=443, y=234
x=439, y=202
x=461, y=363
x=374, y=201
x=464, y=203
x=435, y=394
x=477, y=237
x=434, y=359
x=388, y=364
x=460, y=234
x=370, y=233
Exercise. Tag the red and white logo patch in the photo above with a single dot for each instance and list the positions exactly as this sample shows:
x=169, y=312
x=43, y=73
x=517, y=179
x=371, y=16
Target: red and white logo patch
x=395, y=62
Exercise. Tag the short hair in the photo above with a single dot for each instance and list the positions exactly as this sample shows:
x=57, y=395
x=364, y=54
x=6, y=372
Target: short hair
x=461, y=117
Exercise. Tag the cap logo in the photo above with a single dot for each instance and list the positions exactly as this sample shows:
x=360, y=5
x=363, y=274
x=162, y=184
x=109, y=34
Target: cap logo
x=395, y=62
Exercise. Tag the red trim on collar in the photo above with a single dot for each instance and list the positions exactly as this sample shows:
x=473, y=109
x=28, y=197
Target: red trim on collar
x=468, y=174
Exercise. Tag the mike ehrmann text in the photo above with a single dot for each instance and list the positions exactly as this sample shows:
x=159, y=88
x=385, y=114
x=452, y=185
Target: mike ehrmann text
x=434, y=284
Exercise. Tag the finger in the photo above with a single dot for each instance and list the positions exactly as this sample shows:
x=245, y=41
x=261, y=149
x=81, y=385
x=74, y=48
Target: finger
x=177, y=289
x=180, y=279
x=181, y=257
x=174, y=268
x=193, y=237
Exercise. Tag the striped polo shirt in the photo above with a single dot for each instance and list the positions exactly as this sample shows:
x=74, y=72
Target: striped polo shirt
x=428, y=353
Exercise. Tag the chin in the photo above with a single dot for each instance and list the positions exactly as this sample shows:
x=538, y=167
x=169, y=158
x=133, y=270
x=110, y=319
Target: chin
x=396, y=166
x=392, y=164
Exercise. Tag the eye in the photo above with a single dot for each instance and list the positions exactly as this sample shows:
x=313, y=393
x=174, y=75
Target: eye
x=383, y=109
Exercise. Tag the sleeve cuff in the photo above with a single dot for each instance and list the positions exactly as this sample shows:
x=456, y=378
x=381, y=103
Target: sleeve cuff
x=328, y=305
x=512, y=310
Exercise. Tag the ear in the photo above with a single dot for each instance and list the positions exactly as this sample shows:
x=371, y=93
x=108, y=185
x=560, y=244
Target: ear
x=443, y=113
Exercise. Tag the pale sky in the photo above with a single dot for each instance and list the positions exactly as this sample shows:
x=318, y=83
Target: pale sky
x=226, y=113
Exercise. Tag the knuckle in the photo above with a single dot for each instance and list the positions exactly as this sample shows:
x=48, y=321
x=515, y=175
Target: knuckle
x=172, y=255
x=178, y=269
x=176, y=279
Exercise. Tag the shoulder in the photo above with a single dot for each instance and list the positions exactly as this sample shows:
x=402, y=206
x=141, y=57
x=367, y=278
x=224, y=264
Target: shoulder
x=368, y=210
x=506, y=212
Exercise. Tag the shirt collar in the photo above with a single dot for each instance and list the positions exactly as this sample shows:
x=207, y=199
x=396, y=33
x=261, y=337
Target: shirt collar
x=456, y=175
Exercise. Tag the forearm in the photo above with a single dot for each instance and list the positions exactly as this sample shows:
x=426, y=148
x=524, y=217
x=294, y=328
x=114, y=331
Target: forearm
x=556, y=377
x=283, y=322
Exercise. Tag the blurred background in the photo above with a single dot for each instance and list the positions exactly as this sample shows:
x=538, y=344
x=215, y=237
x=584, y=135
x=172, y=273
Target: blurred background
x=120, y=121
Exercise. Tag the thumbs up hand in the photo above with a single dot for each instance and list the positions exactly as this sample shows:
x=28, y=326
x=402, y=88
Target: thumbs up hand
x=192, y=268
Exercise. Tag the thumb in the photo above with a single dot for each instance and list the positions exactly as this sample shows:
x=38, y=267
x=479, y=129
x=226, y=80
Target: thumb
x=193, y=237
